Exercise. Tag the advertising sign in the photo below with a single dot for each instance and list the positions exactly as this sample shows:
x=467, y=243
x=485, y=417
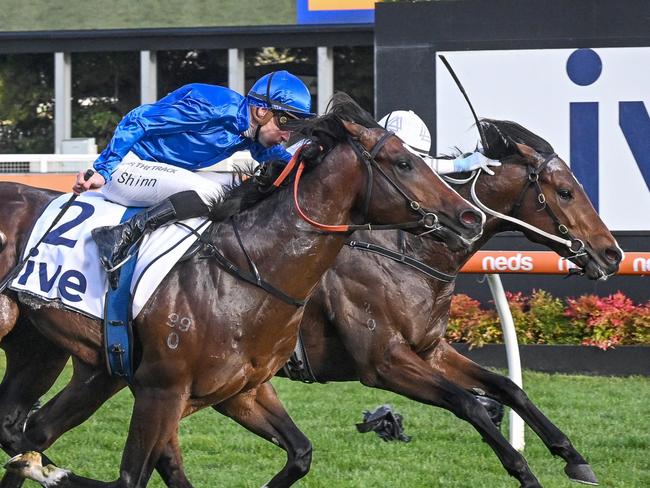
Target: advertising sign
x=591, y=105
x=335, y=11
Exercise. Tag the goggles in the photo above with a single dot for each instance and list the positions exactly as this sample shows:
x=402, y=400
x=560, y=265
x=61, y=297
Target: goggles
x=283, y=119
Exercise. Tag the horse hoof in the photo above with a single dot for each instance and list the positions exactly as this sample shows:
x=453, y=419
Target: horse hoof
x=582, y=473
x=24, y=462
x=30, y=465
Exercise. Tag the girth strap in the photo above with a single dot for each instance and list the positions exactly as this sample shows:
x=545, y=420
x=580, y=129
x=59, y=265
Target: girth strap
x=297, y=367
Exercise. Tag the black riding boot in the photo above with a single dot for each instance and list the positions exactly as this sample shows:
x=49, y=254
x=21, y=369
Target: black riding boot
x=114, y=242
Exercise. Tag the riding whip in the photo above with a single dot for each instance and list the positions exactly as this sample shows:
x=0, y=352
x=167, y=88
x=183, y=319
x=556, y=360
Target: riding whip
x=462, y=90
x=32, y=252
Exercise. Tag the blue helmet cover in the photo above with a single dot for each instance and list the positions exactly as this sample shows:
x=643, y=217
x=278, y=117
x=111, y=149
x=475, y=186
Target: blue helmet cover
x=282, y=91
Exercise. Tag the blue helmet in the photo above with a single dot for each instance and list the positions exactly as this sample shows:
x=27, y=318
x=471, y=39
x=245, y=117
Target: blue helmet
x=281, y=91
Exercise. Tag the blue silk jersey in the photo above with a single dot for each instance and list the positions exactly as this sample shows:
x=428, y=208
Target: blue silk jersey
x=193, y=127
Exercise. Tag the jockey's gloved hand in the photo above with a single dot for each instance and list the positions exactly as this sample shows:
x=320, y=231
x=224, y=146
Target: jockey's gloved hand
x=475, y=161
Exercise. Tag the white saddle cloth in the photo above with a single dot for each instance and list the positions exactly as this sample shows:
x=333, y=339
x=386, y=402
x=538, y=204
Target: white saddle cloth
x=66, y=266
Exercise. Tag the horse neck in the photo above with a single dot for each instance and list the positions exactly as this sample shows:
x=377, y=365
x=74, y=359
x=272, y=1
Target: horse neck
x=288, y=251
x=436, y=254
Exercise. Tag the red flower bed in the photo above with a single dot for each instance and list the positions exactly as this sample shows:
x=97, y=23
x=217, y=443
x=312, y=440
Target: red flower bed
x=544, y=319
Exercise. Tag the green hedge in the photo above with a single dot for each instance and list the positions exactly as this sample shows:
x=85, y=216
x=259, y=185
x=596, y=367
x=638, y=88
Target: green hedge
x=544, y=319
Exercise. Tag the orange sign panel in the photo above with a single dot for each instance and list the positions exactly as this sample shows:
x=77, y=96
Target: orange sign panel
x=341, y=4
x=544, y=262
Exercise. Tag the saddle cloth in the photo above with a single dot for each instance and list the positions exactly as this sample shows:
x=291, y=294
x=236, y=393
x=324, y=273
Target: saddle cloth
x=66, y=265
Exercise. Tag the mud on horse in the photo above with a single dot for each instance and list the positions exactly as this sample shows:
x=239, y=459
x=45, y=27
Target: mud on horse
x=239, y=335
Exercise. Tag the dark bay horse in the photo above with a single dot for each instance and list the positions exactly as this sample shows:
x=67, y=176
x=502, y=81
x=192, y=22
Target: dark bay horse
x=394, y=340
x=239, y=335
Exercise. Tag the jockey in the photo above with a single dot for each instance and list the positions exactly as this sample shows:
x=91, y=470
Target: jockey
x=416, y=137
x=193, y=127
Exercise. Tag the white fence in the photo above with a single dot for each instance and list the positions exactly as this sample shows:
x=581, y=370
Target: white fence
x=72, y=163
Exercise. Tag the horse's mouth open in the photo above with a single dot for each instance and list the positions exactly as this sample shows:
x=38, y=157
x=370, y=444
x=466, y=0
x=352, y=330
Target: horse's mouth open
x=452, y=239
x=592, y=269
x=459, y=235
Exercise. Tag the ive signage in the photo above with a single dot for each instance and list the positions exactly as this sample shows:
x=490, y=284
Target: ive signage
x=591, y=105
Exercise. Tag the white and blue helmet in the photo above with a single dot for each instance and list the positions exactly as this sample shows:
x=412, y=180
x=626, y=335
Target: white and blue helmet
x=411, y=129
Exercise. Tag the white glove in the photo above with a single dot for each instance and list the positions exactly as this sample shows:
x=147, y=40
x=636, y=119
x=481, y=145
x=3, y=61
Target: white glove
x=475, y=161
x=294, y=147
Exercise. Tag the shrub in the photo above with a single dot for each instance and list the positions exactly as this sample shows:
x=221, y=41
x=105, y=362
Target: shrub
x=544, y=319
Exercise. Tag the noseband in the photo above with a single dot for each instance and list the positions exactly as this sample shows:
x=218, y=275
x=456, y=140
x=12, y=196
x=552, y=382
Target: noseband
x=428, y=219
x=575, y=246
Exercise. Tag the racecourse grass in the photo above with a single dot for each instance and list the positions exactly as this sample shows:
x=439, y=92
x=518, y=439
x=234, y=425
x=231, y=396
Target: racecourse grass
x=608, y=420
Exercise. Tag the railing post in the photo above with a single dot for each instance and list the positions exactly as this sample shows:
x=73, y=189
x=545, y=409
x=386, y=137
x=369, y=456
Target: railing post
x=512, y=351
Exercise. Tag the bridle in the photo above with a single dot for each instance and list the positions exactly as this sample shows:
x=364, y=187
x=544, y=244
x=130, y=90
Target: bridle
x=575, y=246
x=428, y=219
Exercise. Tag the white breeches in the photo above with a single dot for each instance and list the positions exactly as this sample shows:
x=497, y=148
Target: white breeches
x=145, y=183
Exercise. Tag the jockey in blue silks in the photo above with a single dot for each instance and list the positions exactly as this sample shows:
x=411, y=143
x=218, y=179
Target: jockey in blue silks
x=193, y=127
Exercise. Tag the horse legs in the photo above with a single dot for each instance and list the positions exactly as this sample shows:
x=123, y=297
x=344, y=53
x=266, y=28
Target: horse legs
x=470, y=375
x=170, y=465
x=8, y=315
x=86, y=392
x=260, y=411
x=154, y=423
x=33, y=364
x=402, y=371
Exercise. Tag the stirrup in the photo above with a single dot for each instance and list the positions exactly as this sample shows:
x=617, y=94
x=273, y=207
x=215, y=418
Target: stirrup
x=119, y=265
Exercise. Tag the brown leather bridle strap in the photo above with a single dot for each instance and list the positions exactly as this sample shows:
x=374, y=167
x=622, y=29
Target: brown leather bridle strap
x=428, y=219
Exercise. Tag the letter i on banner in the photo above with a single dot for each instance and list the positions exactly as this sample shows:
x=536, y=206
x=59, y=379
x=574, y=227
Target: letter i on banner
x=584, y=67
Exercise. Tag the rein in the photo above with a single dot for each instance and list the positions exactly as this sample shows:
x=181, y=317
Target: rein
x=429, y=220
x=402, y=258
x=575, y=246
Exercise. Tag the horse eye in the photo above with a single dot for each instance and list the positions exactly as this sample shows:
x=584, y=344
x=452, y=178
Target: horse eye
x=565, y=194
x=403, y=164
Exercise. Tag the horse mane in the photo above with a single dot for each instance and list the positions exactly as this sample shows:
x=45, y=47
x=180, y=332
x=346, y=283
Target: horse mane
x=250, y=186
x=501, y=136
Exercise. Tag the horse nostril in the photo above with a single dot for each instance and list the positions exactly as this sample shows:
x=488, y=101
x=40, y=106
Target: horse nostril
x=613, y=255
x=471, y=218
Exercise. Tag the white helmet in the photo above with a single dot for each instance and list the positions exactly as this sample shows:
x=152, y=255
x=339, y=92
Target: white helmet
x=411, y=129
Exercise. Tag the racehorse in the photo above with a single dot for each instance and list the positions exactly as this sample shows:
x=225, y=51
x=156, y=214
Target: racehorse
x=352, y=333
x=238, y=334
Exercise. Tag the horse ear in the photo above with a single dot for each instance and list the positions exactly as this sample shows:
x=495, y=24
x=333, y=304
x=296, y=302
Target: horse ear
x=355, y=130
x=527, y=152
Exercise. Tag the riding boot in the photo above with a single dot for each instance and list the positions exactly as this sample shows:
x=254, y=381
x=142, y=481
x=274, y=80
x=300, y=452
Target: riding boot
x=114, y=242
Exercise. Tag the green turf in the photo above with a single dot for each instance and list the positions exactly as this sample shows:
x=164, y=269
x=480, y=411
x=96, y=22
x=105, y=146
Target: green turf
x=606, y=418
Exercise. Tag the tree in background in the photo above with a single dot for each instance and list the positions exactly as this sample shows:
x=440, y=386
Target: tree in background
x=105, y=87
x=26, y=103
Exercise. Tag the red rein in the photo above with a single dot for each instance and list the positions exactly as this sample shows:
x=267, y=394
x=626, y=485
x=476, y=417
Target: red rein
x=285, y=172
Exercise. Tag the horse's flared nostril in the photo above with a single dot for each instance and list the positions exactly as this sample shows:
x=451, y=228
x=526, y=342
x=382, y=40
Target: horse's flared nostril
x=613, y=255
x=471, y=219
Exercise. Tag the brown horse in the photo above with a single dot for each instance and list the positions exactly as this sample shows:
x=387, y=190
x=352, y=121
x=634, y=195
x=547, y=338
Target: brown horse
x=239, y=335
x=350, y=334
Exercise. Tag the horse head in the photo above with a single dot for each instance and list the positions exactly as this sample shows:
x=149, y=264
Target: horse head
x=544, y=200
x=397, y=185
